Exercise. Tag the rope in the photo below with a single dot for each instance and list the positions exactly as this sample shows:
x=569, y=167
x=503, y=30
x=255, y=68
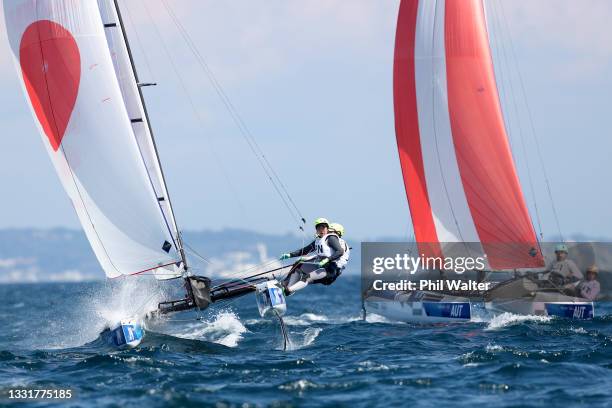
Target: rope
x=518, y=119
x=196, y=113
x=275, y=180
x=237, y=280
x=532, y=126
x=139, y=42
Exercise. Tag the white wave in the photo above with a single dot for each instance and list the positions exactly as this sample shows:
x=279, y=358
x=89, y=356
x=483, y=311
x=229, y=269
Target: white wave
x=299, y=385
x=305, y=339
x=375, y=318
x=306, y=319
x=371, y=366
x=579, y=330
x=491, y=348
x=310, y=335
x=509, y=319
x=224, y=328
x=481, y=316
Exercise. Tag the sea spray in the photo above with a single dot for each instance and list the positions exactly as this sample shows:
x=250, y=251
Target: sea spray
x=510, y=319
x=125, y=298
x=223, y=328
x=299, y=340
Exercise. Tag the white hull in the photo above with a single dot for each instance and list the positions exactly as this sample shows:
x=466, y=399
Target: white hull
x=455, y=311
x=523, y=296
x=563, y=309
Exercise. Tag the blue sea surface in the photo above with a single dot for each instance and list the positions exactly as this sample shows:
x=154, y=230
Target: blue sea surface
x=231, y=357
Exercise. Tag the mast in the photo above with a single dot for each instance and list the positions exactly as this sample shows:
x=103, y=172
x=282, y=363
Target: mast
x=148, y=124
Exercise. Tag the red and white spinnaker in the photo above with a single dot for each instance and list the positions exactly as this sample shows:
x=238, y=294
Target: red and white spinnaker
x=457, y=165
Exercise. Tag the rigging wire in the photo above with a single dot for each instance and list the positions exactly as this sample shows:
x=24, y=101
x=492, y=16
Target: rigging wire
x=272, y=175
x=242, y=275
x=139, y=42
x=245, y=131
x=194, y=109
x=531, y=122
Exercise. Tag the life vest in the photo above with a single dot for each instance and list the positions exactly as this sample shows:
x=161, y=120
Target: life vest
x=323, y=249
x=343, y=260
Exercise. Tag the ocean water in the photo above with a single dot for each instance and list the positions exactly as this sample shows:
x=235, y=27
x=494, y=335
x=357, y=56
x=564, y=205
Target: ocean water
x=231, y=357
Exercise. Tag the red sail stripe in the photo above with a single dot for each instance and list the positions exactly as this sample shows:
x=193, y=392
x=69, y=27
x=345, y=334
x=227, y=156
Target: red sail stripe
x=407, y=129
x=483, y=154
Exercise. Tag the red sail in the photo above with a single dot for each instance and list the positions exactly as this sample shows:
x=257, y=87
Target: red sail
x=458, y=171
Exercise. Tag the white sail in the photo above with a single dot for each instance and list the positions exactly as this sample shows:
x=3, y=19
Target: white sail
x=133, y=103
x=62, y=56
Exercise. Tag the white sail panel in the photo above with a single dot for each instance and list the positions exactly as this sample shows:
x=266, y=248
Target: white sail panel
x=128, y=84
x=447, y=198
x=61, y=54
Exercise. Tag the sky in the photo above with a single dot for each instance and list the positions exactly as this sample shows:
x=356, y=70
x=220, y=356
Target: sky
x=313, y=82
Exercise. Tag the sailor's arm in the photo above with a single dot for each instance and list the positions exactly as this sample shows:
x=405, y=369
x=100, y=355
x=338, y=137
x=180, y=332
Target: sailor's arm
x=300, y=252
x=334, y=243
x=574, y=270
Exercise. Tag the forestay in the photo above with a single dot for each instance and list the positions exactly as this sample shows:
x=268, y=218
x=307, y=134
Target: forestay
x=458, y=171
x=84, y=104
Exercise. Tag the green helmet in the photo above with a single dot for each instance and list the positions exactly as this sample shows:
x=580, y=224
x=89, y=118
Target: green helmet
x=337, y=228
x=561, y=248
x=319, y=221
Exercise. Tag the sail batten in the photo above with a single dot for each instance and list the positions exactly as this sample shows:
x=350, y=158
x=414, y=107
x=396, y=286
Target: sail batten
x=63, y=58
x=460, y=179
x=134, y=101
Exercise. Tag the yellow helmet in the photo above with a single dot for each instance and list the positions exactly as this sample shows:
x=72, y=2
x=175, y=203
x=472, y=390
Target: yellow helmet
x=319, y=221
x=337, y=228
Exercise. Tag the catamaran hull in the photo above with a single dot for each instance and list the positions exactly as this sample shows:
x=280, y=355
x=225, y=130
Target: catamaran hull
x=421, y=312
x=128, y=334
x=524, y=296
x=567, y=310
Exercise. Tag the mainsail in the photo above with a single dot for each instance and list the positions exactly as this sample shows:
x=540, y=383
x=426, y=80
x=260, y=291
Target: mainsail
x=78, y=79
x=457, y=165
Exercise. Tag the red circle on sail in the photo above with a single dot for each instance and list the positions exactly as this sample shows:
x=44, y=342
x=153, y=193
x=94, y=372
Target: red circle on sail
x=51, y=67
